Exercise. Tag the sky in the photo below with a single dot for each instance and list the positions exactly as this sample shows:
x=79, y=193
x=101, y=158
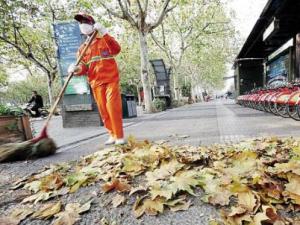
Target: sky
x=246, y=12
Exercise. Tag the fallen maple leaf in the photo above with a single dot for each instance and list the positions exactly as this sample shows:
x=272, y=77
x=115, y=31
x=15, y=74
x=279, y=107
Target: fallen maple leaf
x=116, y=184
x=47, y=211
x=51, y=182
x=185, y=180
x=247, y=200
x=137, y=189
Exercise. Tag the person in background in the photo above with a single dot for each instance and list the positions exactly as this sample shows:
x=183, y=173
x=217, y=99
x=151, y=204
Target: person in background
x=37, y=102
x=101, y=68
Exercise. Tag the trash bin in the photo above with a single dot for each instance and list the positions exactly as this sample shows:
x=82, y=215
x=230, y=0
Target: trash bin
x=129, y=106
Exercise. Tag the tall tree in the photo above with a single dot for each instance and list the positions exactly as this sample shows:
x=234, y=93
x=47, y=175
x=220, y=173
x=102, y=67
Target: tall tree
x=191, y=27
x=144, y=17
x=23, y=31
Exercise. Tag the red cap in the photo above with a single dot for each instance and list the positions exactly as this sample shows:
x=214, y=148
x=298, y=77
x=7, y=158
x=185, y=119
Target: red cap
x=82, y=17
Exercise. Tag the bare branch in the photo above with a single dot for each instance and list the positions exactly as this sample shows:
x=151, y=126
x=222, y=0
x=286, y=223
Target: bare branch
x=111, y=11
x=162, y=14
x=126, y=15
x=157, y=42
x=140, y=7
x=28, y=56
x=163, y=34
x=47, y=58
x=163, y=48
x=146, y=8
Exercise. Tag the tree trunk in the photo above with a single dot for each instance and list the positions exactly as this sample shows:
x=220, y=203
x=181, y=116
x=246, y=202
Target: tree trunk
x=49, y=81
x=145, y=71
x=139, y=95
x=175, y=84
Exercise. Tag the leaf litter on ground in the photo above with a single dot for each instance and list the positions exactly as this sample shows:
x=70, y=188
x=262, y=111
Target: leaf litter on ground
x=253, y=182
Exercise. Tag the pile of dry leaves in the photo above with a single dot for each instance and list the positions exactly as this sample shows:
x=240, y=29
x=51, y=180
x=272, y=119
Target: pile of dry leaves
x=255, y=182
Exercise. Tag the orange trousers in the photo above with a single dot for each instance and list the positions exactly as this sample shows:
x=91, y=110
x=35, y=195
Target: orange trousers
x=108, y=98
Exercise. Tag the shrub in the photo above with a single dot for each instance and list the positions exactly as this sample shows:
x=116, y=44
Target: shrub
x=10, y=111
x=159, y=104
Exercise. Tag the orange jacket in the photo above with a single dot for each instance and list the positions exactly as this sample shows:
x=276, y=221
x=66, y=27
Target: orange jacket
x=98, y=62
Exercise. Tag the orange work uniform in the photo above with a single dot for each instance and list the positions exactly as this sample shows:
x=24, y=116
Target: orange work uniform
x=99, y=65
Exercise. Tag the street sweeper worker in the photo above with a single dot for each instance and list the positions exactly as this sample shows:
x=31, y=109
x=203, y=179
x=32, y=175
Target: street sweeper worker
x=101, y=68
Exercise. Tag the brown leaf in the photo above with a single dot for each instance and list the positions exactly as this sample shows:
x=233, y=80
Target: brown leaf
x=118, y=200
x=51, y=182
x=116, y=184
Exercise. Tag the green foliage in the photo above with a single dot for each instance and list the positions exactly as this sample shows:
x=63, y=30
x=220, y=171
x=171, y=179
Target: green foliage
x=186, y=90
x=20, y=92
x=128, y=88
x=3, y=78
x=159, y=104
x=10, y=111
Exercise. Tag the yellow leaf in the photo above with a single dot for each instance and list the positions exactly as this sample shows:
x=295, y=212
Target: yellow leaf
x=180, y=206
x=259, y=218
x=220, y=197
x=237, y=211
x=33, y=186
x=293, y=185
x=247, y=200
x=166, y=170
x=153, y=207
x=137, y=189
x=291, y=166
x=40, y=196
x=47, y=211
x=132, y=165
x=156, y=190
x=148, y=206
x=184, y=181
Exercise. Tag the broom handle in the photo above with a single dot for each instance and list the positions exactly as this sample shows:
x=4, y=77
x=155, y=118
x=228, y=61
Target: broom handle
x=68, y=80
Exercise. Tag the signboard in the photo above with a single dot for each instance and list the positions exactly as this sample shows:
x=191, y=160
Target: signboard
x=277, y=70
x=68, y=39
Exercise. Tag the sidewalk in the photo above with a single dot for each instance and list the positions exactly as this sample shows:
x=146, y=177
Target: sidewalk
x=65, y=137
x=197, y=124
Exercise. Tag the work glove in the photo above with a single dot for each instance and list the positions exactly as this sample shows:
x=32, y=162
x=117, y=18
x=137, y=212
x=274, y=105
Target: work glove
x=101, y=29
x=73, y=69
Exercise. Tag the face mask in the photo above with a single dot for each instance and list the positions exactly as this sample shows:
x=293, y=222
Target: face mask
x=86, y=28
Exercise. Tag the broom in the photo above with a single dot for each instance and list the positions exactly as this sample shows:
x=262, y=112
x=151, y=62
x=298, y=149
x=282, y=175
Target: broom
x=41, y=145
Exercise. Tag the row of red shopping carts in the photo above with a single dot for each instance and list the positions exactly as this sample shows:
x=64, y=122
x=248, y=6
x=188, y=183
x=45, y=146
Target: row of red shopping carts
x=282, y=101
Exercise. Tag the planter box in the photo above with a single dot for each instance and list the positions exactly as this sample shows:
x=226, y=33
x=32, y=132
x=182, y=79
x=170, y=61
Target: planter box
x=14, y=129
